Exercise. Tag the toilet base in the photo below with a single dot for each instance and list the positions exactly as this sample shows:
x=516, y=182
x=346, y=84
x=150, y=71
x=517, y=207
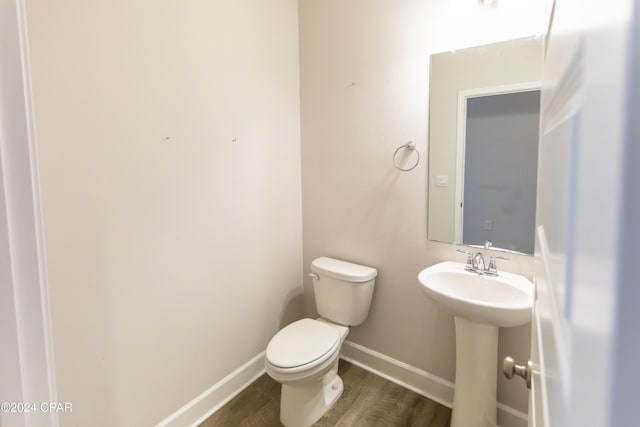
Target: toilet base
x=302, y=405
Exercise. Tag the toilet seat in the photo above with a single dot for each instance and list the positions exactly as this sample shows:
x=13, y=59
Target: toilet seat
x=302, y=345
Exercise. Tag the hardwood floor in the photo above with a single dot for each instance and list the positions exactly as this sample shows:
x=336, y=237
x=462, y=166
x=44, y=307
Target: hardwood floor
x=368, y=400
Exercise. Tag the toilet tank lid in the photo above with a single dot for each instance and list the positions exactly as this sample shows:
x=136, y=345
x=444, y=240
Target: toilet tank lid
x=343, y=270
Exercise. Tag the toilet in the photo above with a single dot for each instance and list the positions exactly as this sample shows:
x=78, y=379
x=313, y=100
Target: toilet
x=304, y=355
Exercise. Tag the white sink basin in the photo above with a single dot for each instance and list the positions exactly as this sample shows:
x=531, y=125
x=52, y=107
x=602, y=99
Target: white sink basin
x=501, y=301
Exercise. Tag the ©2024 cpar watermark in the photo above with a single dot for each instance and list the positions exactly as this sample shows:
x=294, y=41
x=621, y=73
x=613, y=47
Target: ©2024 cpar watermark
x=26, y=407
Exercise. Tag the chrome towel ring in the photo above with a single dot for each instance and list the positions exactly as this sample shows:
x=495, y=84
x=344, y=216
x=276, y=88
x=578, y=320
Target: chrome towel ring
x=411, y=146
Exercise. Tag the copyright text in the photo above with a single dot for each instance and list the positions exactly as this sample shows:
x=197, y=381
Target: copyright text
x=25, y=407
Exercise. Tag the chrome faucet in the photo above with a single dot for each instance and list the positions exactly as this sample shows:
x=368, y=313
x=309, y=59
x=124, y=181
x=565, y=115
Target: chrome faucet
x=478, y=262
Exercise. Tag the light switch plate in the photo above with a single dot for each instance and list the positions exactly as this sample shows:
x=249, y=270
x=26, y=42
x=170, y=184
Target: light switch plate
x=442, y=180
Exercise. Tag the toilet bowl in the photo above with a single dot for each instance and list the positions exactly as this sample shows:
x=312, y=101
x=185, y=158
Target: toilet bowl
x=306, y=368
x=304, y=355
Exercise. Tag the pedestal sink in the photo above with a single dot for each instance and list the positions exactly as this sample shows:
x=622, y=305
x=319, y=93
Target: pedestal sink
x=480, y=305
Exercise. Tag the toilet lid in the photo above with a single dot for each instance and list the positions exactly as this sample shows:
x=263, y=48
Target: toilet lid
x=301, y=343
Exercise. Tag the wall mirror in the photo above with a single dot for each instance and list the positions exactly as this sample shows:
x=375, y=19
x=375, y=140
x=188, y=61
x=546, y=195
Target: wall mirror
x=483, y=144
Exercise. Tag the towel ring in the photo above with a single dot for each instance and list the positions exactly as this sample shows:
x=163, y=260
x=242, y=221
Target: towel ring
x=408, y=146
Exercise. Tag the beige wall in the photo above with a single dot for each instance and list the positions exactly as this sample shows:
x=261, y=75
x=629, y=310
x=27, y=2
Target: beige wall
x=364, y=87
x=497, y=64
x=173, y=252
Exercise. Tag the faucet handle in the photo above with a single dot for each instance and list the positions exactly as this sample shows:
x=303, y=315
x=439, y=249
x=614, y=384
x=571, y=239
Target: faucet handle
x=469, y=255
x=492, y=270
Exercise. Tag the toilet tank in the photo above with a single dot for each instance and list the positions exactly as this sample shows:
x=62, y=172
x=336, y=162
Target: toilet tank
x=343, y=290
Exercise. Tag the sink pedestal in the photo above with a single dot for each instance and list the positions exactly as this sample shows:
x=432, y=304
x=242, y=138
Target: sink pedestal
x=474, y=397
x=480, y=304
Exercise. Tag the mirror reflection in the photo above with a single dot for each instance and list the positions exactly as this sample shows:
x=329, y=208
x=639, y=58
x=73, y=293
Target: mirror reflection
x=483, y=135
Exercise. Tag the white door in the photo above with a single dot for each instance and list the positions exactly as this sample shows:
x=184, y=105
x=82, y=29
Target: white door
x=27, y=381
x=585, y=332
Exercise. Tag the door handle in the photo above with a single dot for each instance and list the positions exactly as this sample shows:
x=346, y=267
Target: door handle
x=510, y=369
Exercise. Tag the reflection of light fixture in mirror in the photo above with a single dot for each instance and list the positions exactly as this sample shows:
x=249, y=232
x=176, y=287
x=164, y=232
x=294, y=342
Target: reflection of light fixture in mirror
x=488, y=3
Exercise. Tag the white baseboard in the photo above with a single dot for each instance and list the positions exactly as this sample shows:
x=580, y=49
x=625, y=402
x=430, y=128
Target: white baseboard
x=422, y=382
x=431, y=386
x=509, y=417
x=204, y=405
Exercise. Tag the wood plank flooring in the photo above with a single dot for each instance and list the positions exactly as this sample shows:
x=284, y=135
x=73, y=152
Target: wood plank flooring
x=367, y=401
